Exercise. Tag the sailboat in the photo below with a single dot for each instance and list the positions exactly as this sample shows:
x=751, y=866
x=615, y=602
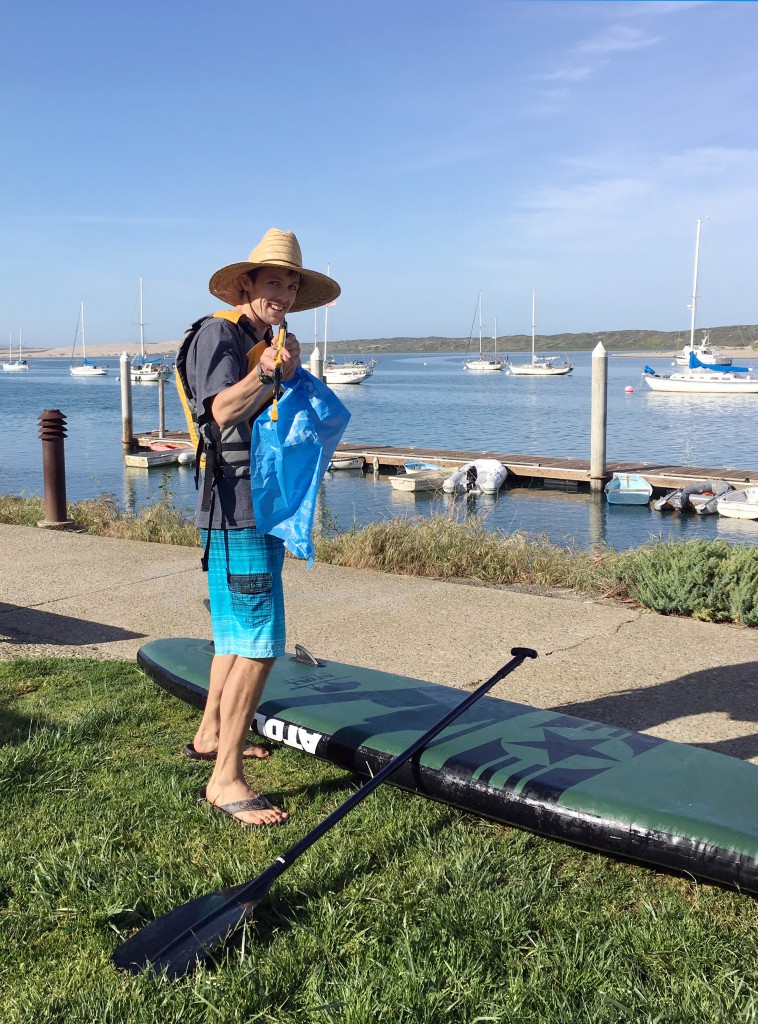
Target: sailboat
x=144, y=370
x=699, y=377
x=540, y=366
x=13, y=366
x=87, y=368
x=483, y=365
x=347, y=372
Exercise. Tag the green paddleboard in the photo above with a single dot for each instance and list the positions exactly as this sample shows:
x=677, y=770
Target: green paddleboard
x=661, y=803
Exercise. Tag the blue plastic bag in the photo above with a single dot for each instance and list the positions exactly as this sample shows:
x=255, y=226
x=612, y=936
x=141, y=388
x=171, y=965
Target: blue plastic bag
x=289, y=457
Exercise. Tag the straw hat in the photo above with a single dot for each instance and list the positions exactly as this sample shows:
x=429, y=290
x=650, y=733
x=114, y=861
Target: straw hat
x=276, y=249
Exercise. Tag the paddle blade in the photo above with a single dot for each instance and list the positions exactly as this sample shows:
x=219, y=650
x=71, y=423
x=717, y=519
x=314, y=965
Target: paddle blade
x=182, y=939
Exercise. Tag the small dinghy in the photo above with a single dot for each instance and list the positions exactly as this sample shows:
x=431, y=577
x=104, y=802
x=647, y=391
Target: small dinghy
x=484, y=475
x=702, y=495
x=422, y=468
x=742, y=504
x=343, y=462
x=628, y=489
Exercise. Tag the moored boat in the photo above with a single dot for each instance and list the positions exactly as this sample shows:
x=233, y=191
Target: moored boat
x=485, y=475
x=741, y=504
x=702, y=496
x=628, y=489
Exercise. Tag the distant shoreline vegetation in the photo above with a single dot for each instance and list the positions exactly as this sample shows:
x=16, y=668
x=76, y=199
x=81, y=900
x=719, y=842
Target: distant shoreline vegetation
x=741, y=336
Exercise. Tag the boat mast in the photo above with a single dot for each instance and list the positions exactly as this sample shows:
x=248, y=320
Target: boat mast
x=141, y=324
x=533, y=326
x=693, y=306
x=480, y=325
x=84, y=349
x=495, y=337
x=326, y=313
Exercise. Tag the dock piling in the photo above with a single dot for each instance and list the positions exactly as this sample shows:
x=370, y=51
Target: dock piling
x=125, y=377
x=599, y=415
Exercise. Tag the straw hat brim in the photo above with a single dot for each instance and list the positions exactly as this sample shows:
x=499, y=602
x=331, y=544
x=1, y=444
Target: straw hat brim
x=315, y=289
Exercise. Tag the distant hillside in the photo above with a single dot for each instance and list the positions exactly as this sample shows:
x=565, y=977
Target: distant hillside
x=614, y=341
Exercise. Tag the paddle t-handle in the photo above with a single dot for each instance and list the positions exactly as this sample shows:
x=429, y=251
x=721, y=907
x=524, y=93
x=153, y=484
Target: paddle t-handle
x=280, y=339
x=177, y=942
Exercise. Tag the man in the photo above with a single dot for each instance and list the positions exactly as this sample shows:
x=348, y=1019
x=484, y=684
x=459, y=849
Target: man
x=230, y=367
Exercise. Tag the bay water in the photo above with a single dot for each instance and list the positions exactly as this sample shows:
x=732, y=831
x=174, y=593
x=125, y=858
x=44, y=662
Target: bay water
x=423, y=400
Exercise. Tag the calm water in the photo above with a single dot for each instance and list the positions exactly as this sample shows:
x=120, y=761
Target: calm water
x=424, y=400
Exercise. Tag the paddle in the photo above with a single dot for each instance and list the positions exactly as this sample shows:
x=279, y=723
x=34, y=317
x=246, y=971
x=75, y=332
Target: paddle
x=177, y=942
x=280, y=339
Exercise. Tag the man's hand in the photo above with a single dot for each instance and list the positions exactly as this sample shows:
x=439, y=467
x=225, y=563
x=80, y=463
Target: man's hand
x=290, y=357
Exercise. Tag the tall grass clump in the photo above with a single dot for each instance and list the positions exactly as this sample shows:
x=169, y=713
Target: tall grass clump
x=441, y=548
x=162, y=522
x=709, y=580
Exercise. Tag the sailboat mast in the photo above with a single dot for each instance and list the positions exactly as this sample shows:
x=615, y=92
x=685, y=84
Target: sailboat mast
x=693, y=306
x=141, y=324
x=84, y=350
x=534, y=291
x=495, y=337
x=480, y=325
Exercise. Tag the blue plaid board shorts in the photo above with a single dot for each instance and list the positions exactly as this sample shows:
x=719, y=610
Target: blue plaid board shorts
x=246, y=594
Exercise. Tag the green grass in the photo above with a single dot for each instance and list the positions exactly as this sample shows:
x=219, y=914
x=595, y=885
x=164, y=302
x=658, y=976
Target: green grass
x=407, y=912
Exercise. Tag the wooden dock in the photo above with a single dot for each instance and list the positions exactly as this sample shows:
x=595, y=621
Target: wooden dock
x=524, y=470
x=546, y=471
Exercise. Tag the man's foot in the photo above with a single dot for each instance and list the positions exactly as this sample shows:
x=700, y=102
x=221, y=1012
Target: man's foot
x=252, y=752
x=247, y=808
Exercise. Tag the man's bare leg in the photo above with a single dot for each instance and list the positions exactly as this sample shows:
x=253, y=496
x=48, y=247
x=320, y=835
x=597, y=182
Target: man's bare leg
x=206, y=737
x=240, y=695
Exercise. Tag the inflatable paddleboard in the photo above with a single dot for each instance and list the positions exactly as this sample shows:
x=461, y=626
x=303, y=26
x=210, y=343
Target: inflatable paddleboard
x=661, y=803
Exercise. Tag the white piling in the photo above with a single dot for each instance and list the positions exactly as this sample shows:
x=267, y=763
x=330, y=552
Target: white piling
x=316, y=363
x=125, y=377
x=599, y=415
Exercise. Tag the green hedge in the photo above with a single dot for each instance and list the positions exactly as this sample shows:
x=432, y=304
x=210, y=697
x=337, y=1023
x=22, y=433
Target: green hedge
x=710, y=580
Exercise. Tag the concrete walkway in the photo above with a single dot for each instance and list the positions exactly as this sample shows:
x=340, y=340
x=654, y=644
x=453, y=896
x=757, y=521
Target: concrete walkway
x=68, y=594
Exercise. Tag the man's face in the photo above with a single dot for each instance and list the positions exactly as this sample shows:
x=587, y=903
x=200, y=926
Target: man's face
x=272, y=292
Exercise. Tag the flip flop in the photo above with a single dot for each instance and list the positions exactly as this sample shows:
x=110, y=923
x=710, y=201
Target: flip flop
x=196, y=755
x=253, y=803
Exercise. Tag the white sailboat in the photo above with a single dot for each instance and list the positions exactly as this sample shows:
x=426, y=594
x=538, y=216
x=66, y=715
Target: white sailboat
x=483, y=365
x=349, y=371
x=14, y=365
x=143, y=370
x=701, y=378
x=87, y=368
x=540, y=366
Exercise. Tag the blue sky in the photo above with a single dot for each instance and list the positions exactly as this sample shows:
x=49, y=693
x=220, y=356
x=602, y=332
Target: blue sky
x=425, y=149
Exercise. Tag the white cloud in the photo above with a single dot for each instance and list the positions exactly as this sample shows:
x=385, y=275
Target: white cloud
x=618, y=39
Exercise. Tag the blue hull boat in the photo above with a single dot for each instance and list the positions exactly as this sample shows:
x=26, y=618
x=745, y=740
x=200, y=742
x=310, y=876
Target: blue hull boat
x=628, y=489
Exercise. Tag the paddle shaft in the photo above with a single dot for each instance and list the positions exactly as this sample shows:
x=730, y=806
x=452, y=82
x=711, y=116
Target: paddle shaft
x=280, y=339
x=285, y=860
x=179, y=939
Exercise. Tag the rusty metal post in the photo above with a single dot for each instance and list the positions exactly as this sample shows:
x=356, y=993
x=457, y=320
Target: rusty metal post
x=52, y=432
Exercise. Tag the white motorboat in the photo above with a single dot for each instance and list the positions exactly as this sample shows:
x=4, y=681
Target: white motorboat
x=143, y=370
x=540, y=366
x=345, y=462
x=347, y=371
x=742, y=504
x=15, y=365
x=482, y=364
x=87, y=368
x=485, y=475
x=708, y=354
x=700, y=378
